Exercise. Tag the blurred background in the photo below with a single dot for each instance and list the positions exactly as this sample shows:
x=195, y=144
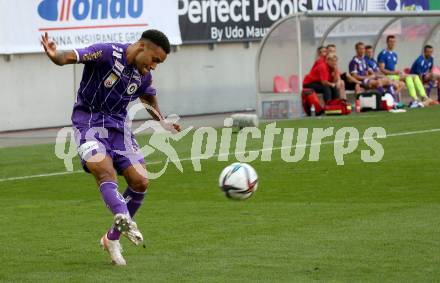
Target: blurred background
x=213, y=65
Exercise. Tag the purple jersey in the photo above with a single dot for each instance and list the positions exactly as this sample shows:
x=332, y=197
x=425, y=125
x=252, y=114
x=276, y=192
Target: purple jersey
x=358, y=66
x=108, y=85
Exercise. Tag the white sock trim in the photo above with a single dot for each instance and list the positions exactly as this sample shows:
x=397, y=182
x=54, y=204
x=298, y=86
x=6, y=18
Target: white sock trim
x=116, y=184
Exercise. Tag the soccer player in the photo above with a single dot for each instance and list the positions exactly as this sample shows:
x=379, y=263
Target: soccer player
x=359, y=69
x=372, y=64
x=323, y=77
x=422, y=67
x=114, y=75
x=374, y=67
x=387, y=60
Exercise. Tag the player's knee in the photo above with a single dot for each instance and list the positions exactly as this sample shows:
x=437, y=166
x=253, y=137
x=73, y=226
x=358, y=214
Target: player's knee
x=140, y=184
x=105, y=175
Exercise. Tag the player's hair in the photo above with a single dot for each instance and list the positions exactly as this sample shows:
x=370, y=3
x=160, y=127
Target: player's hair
x=427, y=47
x=158, y=38
x=320, y=48
x=359, y=44
x=330, y=45
x=390, y=36
x=367, y=47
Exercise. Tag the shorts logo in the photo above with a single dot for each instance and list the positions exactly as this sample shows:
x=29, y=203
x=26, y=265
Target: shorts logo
x=86, y=148
x=132, y=88
x=110, y=81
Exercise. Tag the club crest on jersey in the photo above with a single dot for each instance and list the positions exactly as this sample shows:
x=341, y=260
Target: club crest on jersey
x=132, y=88
x=110, y=81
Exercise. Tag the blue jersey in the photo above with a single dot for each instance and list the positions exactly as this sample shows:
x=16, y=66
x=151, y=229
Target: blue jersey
x=108, y=85
x=358, y=66
x=389, y=58
x=372, y=64
x=422, y=65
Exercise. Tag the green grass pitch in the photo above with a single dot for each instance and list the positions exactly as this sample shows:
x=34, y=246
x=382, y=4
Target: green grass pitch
x=308, y=221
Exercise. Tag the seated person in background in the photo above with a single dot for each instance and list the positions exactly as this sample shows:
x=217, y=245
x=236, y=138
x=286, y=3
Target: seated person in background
x=359, y=69
x=331, y=48
x=321, y=53
x=351, y=83
x=372, y=64
x=340, y=83
x=422, y=67
x=323, y=77
x=373, y=67
x=387, y=60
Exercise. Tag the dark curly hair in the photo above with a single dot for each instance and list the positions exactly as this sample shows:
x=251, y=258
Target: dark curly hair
x=158, y=38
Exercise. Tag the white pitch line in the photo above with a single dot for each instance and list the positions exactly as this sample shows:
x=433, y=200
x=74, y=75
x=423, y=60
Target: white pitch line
x=227, y=154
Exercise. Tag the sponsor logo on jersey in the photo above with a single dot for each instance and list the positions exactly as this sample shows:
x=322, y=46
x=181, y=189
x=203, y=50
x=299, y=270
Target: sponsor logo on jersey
x=92, y=56
x=110, y=81
x=117, y=55
x=119, y=66
x=119, y=49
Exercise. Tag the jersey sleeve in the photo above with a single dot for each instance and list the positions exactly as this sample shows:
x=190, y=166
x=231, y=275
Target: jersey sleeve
x=373, y=65
x=416, y=67
x=96, y=53
x=381, y=58
x=147, y=86
x=352, y=67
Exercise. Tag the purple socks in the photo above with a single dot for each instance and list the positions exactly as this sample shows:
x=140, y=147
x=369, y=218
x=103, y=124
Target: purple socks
x=112, y=198
x=133, y=201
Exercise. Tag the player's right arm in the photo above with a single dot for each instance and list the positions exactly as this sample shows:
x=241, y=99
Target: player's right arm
x=59, y=58
x=385, y=71
x=381, y=63
x=353, y=69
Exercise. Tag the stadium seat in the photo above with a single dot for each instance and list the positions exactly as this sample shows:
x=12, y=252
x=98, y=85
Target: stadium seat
x=280, y=85
x=294, y=83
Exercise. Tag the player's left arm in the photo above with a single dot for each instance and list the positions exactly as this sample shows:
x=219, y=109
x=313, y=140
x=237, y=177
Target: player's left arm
x=151, y=101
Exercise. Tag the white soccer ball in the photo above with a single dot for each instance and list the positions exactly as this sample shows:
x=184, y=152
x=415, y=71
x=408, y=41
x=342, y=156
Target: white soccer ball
x=238, y=181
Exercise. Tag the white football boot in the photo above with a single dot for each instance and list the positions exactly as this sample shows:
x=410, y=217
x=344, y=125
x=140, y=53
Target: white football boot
x=128, y=228
x=114, y=249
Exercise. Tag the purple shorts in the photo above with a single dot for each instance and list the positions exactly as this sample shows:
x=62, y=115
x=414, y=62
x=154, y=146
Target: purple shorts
x=124, y=150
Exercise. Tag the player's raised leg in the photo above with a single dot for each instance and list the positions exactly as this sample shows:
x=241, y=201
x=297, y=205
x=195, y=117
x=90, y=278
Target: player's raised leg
x=136, y=177
x=137, y=180
x=101, y=167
